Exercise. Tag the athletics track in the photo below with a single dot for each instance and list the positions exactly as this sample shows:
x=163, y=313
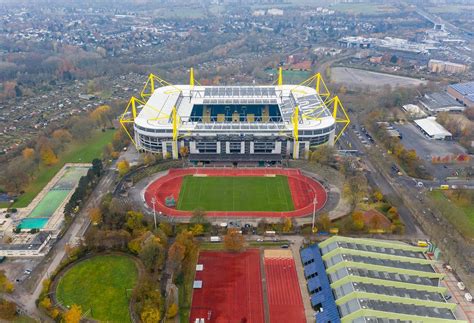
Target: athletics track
x=303, y=190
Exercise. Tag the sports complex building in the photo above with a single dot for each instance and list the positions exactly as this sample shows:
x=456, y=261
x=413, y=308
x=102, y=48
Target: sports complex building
x=235, y=124
x=364, y=280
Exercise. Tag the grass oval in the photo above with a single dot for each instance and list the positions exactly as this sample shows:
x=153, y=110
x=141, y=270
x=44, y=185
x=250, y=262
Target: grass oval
x=101, y=286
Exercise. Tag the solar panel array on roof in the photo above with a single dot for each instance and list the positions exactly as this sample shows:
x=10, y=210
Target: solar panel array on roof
x=370, y=248
x=239, y=91
x=434, y=312
x=322, y=296
x=465, y=89
x=227, y=100
x=379, y=262
x=350, y=287
x=362, y=272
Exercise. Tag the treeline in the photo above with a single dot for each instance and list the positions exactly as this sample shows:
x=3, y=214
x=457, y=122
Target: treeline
x=461, y=129
x=21, y=167
x=407, y=158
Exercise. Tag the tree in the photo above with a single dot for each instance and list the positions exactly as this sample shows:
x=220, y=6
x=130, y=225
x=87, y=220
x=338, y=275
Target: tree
x=287, y=225
x=166, y=228
x=184, y=151
x=176, y=255
x=199, y=216
x=197, y=229
x=172, y=311
x=123, y=167
x=324, y=222
x=150, y=314
x=95, y=215
x=358, y=220
x=7, y=310
x=134, y=220
x=234, y=240
x=378, y=195
x=323, y=155
x=28, y=153
x=102, y=115
x=97, y=167
x=152, y=254
x=73, y=315
x=6, y=286
x=48, y=157
x=149, y=159
x=62, y=135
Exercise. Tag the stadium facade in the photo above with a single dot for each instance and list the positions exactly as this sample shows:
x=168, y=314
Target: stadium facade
x=234, y=123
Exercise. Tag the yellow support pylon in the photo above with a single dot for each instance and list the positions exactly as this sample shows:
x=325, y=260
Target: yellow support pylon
x=191, y=78
x=280, y=76
x=339, y=117
x=296, y=121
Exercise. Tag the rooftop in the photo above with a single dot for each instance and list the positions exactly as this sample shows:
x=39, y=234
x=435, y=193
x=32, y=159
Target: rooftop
x=374, y=281
x=432, y=128
x=243, y=100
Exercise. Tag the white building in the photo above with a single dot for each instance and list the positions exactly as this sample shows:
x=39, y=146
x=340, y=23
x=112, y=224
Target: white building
x=433, y=129
x=234, y=123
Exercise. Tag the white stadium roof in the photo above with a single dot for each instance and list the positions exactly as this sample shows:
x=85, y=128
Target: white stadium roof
x=157, y=111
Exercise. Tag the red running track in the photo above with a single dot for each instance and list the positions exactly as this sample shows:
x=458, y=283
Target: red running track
x=303, y=190
x=283, y=290
x=231, y=288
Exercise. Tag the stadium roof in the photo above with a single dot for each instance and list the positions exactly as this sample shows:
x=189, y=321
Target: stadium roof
x=158, y=109
x=376, y=281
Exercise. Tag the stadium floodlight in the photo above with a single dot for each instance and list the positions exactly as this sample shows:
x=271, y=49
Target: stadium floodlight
x=153, y=202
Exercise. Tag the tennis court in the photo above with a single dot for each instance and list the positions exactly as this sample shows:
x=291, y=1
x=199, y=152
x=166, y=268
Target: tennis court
x=235, y=193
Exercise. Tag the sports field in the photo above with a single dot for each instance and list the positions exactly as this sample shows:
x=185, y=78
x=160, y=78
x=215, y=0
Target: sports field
x=235, y=193
x=101, y=285
x=231, y=288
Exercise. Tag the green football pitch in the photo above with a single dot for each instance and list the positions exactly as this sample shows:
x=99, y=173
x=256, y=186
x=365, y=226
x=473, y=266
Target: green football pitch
x=235, y=193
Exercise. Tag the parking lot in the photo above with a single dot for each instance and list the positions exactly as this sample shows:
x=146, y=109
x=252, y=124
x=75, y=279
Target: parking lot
x=412, y=138
x=18, y=269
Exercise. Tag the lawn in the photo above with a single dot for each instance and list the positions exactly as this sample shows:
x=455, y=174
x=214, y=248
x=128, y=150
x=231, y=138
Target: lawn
x=461, y=216
x=101, y=284
x=78, y=152
x=235, y=193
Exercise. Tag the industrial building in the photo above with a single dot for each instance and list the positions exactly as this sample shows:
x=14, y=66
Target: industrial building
x=366, y=280
x=433, y=129
x=437, y=66
x=235, y=123
x=440, y=102
x=463, y=93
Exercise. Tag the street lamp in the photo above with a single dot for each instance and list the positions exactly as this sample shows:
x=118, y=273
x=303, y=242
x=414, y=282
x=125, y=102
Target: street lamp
x=153, y=202
x=315, y=201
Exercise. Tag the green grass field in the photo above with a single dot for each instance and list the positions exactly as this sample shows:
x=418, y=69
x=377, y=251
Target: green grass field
x=101, y=284
x=79, y=152
x=235, y=193
x=461, y=216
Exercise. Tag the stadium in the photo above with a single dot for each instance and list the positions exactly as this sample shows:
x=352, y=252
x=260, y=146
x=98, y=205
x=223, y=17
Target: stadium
x=234, y=124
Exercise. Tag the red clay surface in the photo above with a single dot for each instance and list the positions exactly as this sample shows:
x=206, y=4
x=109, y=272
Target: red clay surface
x=283, y=290
x=231, y=288
x=303, y=190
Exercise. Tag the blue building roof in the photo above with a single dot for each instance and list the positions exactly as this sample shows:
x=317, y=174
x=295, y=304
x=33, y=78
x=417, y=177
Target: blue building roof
x=466, y=89
x=325, y=297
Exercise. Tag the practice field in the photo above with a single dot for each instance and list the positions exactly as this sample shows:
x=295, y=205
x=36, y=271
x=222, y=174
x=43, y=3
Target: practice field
x=235, y=193
x=101, y=285
x=231, y=288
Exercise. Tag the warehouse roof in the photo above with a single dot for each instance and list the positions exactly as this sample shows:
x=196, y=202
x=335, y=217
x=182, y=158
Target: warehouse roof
x=432, y=128
x=375, y=281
